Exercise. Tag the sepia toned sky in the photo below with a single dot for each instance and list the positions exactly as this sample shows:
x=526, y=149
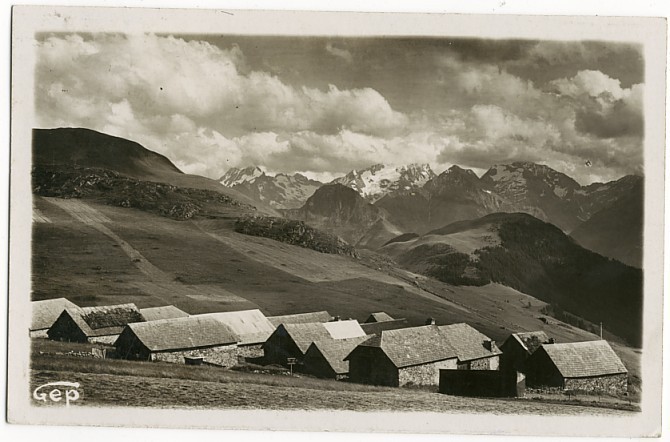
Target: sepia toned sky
x=325, y=106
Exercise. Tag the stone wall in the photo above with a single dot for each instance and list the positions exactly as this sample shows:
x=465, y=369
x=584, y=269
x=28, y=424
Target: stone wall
x=39, y=333
x=424, y=374
x=492, y=363
x=109, y=339
x=224, y=355
x=611, y=384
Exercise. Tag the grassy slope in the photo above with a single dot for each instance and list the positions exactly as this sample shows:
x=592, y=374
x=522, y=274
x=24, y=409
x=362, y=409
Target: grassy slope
x=148, y=384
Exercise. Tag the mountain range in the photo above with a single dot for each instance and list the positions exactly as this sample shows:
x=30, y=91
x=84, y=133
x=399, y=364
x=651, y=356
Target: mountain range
x=164, y=236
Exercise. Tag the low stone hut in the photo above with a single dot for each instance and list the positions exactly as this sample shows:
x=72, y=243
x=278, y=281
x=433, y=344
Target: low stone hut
x=475, y=350
x=94, y=324
x=518, y=347
x=164, y=312
x=590, y=366
x=293, y=340
x=173, y=340
x=400, y=357
x=45, y=313
x=378, y=317
x=325, y=358
x=300, y=318
x=252, y=328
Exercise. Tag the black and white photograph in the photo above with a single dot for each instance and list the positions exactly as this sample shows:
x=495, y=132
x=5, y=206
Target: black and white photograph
x=236, y=219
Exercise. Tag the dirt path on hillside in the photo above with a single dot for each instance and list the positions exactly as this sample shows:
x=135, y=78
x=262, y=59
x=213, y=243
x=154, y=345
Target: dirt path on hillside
x=160, y=284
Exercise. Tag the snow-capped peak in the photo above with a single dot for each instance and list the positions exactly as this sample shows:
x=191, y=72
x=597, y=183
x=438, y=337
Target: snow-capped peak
x=238, y=176
x=376, y=181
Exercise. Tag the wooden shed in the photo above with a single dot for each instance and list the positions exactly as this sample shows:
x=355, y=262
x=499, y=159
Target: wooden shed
x=164, y=312
x=45, y=313
x=176, y=339
x=293, y=340
x=94, y=324
x=403, y=356
x=590, y=366
x=325, y=358
x=475, y=350
x=300, y=318
x=518, y=347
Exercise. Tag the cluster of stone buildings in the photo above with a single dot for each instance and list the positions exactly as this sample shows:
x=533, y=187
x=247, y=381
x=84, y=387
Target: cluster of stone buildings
x=380, y=351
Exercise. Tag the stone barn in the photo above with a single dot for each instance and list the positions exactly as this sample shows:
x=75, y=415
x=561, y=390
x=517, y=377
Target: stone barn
x=378, y=317
x=325, y=358
x=406, y=356
x=293, y=340
x=374, y=328
x=300, y=318
x=252, y=328
x=582, y=366
x=94, y=324
x=173, y=340
x=518, y=347
x=45, y=313
x=165, y=312
x=475, y=350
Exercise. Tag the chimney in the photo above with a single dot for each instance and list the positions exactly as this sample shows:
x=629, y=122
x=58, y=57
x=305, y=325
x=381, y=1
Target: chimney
x=490, y=345
x=336, y=318
x=430, y=321
x=551, y=341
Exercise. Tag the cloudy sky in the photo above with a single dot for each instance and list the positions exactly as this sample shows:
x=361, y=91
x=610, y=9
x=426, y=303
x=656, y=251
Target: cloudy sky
x=325, y=106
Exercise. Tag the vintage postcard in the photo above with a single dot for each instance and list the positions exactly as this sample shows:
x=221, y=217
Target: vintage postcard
x=324, y=221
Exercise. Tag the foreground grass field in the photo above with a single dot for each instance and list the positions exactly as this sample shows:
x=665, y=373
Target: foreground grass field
x=108, y=382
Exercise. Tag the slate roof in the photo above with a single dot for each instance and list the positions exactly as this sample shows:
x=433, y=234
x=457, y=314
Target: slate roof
x=373, y=328
x=468, y=342
x=378, y=317
x=531, y=341
x=251, y=326
x=45, y=313
x=164, y=312
x=182, y=333
x=335, y=350
x=300, y=318
x=412, y=346
x=304, y=334
x=584, y=359
x=104, y=320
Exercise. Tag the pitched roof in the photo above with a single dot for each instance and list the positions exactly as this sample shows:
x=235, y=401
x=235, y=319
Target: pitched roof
x=468, y=342
x=378, y=317
x=304, y=334
x=373, y=328
x=412, y=346
x=182, y=333
x=335, y=350
x=45, y=313
x=251, y=326
x=300, y=318
x=104, y=320
x=344, y=329
x=164, y=312
x=531, y=341
x=584, y=359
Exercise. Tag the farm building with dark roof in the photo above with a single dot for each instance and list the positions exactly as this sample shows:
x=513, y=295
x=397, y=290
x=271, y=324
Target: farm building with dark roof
x=300, y=318
x=378, y=317
x=475, y=351
x=404, y=356
x=325, y=358
x=94, y=324
x=518, y=347
x=173, y=340
x=374, y=328
x=45, y=313
x=590, y=366
x=164, y=312
x=293, y=340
